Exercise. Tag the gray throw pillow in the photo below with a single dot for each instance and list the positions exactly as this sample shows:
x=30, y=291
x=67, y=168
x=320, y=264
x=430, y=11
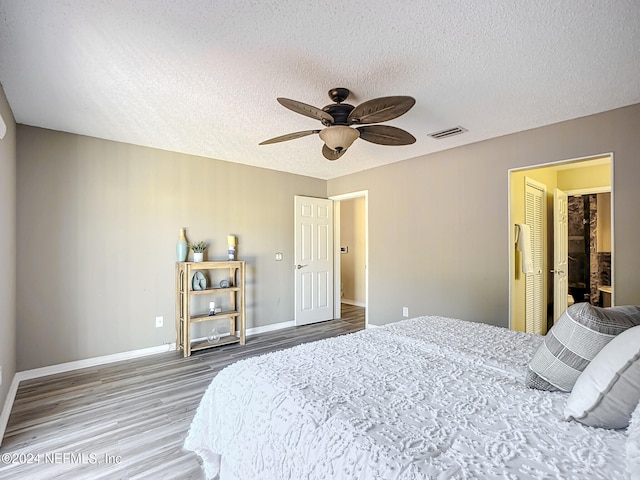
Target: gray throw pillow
x=575, y=339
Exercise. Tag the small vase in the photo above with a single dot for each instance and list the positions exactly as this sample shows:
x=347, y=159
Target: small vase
x=214, y=336
x=198, y=256
x=181, y=247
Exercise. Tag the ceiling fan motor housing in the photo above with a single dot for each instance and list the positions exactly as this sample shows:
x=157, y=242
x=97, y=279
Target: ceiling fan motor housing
x=340, y=112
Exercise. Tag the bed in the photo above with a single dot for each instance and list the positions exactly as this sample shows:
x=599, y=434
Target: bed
x=429, y=397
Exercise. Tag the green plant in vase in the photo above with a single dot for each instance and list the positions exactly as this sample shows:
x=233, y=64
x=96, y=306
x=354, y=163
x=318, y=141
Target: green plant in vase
x=198, y=250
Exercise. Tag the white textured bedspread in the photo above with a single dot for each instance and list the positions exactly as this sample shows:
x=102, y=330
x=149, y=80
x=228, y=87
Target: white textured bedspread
x=424, y=398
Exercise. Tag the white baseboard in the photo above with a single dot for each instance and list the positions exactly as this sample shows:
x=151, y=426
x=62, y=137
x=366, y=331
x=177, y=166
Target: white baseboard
x=92, y=362
x=271, y=328
x=116, y=357
x=355, y=303
x=66, y=367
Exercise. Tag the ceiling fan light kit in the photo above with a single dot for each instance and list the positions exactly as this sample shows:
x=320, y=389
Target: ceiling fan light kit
x=338, y=135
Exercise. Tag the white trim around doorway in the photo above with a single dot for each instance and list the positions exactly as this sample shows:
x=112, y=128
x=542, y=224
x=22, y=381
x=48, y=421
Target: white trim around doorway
x=336, y=241
x=566, y=163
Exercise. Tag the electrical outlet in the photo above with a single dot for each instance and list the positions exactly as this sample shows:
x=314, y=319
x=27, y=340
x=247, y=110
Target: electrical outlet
x=405, y=311
x=159, y=322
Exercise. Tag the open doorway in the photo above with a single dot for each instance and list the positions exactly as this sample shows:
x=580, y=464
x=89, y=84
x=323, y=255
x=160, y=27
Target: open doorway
x=577, y=178
x=351, y=259
x=589, y=252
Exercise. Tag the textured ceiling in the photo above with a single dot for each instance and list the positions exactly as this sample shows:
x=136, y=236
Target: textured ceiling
x=202, y=77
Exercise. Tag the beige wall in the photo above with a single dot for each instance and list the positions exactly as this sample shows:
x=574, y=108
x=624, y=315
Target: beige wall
x=439, y=233
x=7, y=249
x=97, y=227
x=98, y=221
x=352, y=263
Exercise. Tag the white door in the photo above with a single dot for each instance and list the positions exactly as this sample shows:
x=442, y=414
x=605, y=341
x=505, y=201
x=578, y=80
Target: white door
x=535, y=284
x=560, y=253
x=313, y=240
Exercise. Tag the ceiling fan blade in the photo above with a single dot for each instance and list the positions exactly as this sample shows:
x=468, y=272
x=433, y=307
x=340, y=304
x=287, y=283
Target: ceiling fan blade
x=385, y=135
x=289, y=136
x=381, y=109
x=307, y=110
x=331, y=154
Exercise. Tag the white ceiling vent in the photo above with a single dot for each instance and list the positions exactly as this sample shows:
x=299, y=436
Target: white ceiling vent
x=449, y=132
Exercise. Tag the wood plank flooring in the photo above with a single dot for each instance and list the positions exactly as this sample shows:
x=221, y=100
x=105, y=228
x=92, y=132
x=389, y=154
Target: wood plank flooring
x=129, y=419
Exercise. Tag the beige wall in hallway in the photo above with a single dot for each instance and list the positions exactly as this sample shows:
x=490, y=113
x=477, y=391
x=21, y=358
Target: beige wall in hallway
x=97, y=227
x=352, y=263
x=439, y=224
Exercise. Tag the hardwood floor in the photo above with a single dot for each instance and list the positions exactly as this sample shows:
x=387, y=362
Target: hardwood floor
x=128, y=420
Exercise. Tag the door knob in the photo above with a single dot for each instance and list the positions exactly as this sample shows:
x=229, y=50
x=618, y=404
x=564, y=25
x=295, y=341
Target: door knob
x=559, y=272
x=300, y=266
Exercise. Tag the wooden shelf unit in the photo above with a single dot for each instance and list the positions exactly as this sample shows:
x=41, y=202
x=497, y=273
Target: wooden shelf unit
x=235, y=315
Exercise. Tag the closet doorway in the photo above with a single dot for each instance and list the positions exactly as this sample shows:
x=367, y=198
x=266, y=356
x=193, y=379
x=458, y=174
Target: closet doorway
x=578, y=178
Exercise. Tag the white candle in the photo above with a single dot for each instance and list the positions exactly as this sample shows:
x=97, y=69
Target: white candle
x=231, y=240
x=212, y=305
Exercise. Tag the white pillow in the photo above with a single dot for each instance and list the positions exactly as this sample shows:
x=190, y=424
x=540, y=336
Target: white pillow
x=608, y=390
x=633, y=445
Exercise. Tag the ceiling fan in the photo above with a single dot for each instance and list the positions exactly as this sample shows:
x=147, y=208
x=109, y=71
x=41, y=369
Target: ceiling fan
x=337, y=118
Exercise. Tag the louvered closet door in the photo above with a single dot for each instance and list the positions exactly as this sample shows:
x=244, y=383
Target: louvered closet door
x=535, y=209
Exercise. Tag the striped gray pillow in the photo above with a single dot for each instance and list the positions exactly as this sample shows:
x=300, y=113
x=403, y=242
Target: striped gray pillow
x=575, y=339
